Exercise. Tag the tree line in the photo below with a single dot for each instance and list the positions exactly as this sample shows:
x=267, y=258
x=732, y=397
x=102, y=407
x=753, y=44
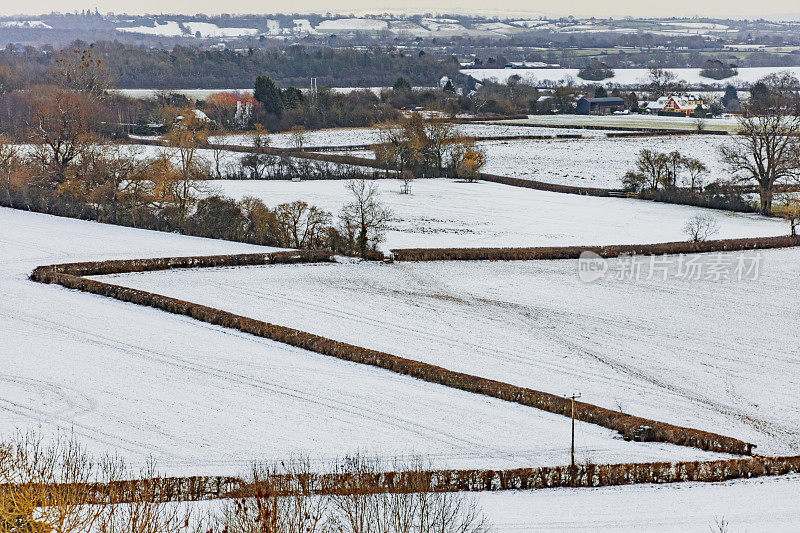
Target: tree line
x=185, y=67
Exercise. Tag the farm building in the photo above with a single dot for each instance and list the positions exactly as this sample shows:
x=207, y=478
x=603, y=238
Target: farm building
x=600, y=106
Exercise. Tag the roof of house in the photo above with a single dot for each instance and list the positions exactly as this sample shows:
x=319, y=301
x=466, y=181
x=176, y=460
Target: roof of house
x=611, y=100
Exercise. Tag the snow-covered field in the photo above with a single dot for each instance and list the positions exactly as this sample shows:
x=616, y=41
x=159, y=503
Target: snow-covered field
x=623, y=76
x=201, y=399
x=448, y=213
x=353, y=136
x=683, y=345
x=595, y=162
x=172, y=28
x=763, y=504
x=729, y=125
x=352, y=24
x=207, y=29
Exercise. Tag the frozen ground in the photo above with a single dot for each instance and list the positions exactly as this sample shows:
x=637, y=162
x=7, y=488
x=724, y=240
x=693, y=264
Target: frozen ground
x=602, y=162
x=712, y=353
x=351, y=136
x=448, y=213
x=201, y=399
x=763, y=504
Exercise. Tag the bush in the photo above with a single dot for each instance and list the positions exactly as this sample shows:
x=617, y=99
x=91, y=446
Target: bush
x=713, y=197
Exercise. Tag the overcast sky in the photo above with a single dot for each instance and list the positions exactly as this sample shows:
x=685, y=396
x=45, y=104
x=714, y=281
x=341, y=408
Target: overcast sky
x=615, y=8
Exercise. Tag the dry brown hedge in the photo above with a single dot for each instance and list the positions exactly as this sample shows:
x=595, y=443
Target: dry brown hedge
x=69, y=276
x=574, y=252
x=174, y=489
x=552, y=187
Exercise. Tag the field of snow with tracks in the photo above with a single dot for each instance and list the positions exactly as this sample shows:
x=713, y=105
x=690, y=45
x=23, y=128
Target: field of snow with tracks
x=201, y=399
x=671, y=348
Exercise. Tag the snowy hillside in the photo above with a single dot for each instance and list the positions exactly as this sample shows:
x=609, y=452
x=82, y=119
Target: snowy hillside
x=201, y=399
x=653, y=342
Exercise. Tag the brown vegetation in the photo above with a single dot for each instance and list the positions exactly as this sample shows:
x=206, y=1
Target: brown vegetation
x=574, y=252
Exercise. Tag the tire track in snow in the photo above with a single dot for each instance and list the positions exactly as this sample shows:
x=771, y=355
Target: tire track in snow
x=337, y=408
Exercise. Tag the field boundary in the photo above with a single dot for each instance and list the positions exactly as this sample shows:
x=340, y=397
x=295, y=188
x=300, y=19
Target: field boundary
x=205, y=488
x=574, y=252
x=72, y=276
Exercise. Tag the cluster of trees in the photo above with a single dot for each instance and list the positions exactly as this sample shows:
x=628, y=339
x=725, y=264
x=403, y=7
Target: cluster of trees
x=117, y=184
x=357, y=230
x=59, y=487
x=278, y=109
x=665, y=170
x=86, y=71
x=718, y=70
x=428, y=149
x=596, y=71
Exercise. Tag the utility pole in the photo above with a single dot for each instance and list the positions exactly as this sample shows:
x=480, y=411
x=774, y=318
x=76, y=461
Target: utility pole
x=572, y=447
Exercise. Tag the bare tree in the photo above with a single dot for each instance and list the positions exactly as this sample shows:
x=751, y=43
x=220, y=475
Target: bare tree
x=700, y=228
x=652, y=170
x=189, y=133
x=298, y=137
x=9, y=163
x=406, y=177
x=696, y=170
x=363, y=221
x=79, y=69
x=301, y=224
x=60, y=128
x=791, y=213
x=661, y=81
x=766, y=152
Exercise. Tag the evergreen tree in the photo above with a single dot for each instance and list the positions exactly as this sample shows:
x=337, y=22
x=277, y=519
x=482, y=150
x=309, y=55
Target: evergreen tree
x=292, y=98
x=401, y=85
x=730, y=94
x=266, y=93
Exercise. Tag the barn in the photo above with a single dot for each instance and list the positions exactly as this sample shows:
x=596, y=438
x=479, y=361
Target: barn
x=600, y=106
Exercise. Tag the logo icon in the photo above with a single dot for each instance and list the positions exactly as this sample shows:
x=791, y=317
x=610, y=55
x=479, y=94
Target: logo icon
x=591, y=267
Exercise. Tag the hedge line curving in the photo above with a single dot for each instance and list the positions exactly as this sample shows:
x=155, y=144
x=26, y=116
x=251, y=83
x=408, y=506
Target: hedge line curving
x=574, y=252
x=44, y=274
x=630, y=427
x=178, y=489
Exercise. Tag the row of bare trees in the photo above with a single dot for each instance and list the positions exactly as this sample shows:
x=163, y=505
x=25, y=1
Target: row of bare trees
x=357, y=230
x=59, y=488
x=665, y=170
